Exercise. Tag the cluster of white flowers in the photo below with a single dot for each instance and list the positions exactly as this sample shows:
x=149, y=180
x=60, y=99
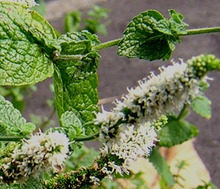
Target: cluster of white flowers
x=28, y=3
x=130, y=143
x=159, y=95
x=39, y=152
x=129, y=130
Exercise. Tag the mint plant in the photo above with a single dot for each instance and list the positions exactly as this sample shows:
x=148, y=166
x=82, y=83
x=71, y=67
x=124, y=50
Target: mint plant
x=150, y=116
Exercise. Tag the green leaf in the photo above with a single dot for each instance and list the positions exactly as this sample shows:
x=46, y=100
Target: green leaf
x=202, y=106
x=72, y=124
x=161, y=166
x=11, y=121
x=176, y=132
x=151, y=36
x=75, y=81
x=27, y=43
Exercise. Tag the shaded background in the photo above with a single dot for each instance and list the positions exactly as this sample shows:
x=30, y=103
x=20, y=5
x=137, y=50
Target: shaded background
x=116, y=73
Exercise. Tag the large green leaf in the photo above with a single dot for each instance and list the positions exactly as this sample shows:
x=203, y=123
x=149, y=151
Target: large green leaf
x=150, y=36
x=11, y=121
x=162, y=167
x=176, y=132
x=27, y=43
x=76, y=80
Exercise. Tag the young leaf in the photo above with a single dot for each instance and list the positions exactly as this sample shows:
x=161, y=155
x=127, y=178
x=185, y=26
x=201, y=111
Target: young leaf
x=150, y=36
x=202, y=106
x=176, y=132
x=161, y=166
x=11, y=121
x=27, y=43
x=76, y=80
x=72, y=124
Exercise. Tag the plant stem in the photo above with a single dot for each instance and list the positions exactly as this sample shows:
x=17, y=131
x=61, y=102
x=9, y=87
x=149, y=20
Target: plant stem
x=116, y=41
x=183, y=112
x=92, y=137
x=189, y=32
x=202, y=31
x=11, y=138
x=107, y=44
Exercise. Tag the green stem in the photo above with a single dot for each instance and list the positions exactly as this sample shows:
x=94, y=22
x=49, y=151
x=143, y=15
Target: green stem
x=189, y=32
x=92, y=137
x=11, y=138
x=114, y=42
x=183, y=112
x=202, y=31
x=107, y=44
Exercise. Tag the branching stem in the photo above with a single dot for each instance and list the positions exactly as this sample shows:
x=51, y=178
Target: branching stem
x=115, y=42
x=189, y=32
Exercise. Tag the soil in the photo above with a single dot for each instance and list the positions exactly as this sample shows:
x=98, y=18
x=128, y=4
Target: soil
x=117, y=73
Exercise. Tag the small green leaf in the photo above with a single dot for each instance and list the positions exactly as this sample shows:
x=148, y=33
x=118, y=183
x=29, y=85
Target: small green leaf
x=176, y=132
x=11, y=121
x=150, y=36
x=69, y=119
x=72, y=124
x=162, y=167
x=202, y=106
x=27, y=43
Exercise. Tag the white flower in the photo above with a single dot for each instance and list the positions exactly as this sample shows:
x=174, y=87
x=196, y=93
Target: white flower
x=158, y=95
x=40, y=151
x=130, y=143
x=94, y=180
x=28, y=3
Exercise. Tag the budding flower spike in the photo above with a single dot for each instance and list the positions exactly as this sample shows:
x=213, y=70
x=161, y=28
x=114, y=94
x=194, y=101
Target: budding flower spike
x=41, y=151
x=160, y=95
x=129, y=131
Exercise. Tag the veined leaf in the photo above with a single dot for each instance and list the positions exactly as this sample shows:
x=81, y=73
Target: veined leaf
x=11, y=121
x=151, y=36
x=76, y=80
x=72, y=125
x=202, y=106
x=176, y=132
x=27, y=43
x=162, y=167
